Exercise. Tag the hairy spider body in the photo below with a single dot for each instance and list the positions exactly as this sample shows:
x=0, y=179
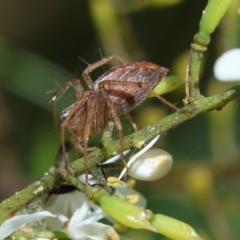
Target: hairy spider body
x=120, y=89
x=116, y=92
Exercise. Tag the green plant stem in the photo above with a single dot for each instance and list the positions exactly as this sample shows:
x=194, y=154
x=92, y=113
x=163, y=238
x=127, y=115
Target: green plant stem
x=192, y=80
x=52, y=180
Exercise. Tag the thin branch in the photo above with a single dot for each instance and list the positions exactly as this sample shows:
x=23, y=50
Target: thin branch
x=52, y=180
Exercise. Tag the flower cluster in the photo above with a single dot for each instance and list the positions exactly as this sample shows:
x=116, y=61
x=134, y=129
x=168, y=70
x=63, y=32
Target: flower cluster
x=80, y=217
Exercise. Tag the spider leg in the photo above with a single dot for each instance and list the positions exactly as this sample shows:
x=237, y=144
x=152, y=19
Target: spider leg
x=87, y=134
x=79, y=147
x=116, y=119
x=62, y=132
x=61, y=90
x=130, y=119
x=119, y=128
x=97, y=64
x=65, y=124
x=163, y=100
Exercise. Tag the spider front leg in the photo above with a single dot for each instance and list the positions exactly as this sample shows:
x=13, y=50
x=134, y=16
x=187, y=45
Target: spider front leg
x=90, y=120
x=116, y=119
x=98, y=64
x=76, y=83
x=69, y=117
x=64, y=152
x=119, y=128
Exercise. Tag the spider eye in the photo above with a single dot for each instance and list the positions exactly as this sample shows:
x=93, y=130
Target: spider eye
x=64, y=114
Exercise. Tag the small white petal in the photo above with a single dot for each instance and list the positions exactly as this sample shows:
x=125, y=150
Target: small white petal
x=152, y=165
x=83, y=217
x=12, y=224
x=95, y=231
x=79, y=214
x=227, y=67
x=78, y=199
x=68, y=203
x=115, y=158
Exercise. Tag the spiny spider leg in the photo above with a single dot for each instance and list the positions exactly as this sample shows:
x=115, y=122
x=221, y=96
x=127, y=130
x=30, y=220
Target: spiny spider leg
x=75, y=82
x=64, y=125
x=62, y=89
x=98, y=64
x=130, y=119
x=163, y=100
x=87, y=135
x=119, y=128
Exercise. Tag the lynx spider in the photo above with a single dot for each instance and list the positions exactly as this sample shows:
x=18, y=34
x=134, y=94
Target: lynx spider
x=116, y=92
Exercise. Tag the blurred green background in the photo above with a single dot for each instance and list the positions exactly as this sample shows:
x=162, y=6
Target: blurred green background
x=40, y=46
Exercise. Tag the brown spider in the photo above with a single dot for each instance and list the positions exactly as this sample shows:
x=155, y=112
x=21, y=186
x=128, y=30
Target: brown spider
x=116, y=92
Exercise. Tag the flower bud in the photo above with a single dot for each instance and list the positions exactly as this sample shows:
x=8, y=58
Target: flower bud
x=122, y=211
x=226, y=67
x=151, y=165
x=173, y=228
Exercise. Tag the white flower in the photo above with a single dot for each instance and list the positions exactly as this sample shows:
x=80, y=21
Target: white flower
x=81, y=226
x=65, y=205
x=12, y=224
x=227, y=67
x=84, y=225
x=83, y=221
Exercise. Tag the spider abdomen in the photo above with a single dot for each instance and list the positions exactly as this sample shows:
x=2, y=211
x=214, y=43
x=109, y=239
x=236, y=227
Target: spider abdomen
x=128, y=85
